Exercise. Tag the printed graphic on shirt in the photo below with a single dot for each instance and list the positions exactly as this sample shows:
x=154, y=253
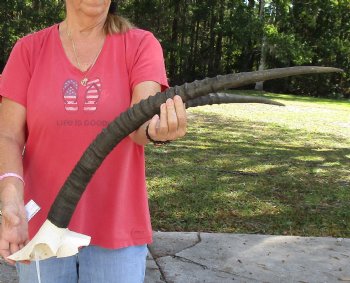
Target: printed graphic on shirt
x=92, y=94
x=87, y=102
x=82, y=123
x=70, y=95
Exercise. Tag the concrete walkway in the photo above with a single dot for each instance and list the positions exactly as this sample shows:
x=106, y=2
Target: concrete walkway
x=221, y=258
x=211, y=258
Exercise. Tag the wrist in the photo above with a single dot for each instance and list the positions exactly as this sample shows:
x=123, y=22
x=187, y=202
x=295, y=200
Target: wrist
x=13, y=175
x=11, y=191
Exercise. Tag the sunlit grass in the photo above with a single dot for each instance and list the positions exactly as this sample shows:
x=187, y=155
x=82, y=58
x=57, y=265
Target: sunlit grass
x=253, y=168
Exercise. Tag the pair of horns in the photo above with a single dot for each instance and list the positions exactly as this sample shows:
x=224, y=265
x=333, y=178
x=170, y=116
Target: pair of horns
x=193, y=94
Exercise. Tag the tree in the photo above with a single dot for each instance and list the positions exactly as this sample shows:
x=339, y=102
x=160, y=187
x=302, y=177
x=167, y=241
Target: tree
x=20, y=17
x=203, y=38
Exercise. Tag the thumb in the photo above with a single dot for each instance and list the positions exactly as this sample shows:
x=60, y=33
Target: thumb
x=155, y=120
x=153, y=125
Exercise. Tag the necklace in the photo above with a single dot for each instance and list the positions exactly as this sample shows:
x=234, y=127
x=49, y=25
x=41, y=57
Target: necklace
x=85, y=78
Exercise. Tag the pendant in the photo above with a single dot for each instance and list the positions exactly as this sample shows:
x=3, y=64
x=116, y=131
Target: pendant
x=84, y=81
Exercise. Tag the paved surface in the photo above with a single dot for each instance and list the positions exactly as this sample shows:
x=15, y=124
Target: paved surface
x=203, y=257
x=221, y=258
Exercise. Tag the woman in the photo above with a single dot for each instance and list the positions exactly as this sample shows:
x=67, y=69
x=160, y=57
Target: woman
x=60, y=87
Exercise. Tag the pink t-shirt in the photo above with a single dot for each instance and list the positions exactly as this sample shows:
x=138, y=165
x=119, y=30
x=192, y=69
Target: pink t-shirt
x=63, y=117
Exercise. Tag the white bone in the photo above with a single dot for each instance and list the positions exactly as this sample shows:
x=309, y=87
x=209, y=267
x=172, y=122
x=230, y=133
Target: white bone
x=51, y=241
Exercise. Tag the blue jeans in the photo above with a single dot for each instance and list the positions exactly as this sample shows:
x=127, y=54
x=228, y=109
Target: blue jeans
x=91, y=265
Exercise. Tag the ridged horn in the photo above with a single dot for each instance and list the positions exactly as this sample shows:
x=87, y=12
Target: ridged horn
x=69, y=195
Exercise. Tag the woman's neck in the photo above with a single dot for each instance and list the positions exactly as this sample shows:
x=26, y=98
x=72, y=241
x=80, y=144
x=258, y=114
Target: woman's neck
x=80, y=27
x=83, y=19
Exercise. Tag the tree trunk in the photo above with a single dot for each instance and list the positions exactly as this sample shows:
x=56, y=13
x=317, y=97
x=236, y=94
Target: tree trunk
x=218, y=47
x=195, y=51
x=174, y=41
x=260, y=85
x=212, y=35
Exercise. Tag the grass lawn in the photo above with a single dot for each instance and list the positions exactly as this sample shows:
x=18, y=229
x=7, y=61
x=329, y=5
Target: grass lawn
x=253, y=168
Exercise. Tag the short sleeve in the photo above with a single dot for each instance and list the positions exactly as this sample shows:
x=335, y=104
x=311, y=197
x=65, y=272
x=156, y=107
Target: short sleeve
x=147, y=63
x=16, y=75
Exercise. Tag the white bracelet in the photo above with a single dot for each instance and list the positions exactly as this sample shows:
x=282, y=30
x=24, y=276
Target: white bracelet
x=11, y=175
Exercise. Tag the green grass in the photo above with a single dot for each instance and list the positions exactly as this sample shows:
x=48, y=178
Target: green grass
x=252, y=168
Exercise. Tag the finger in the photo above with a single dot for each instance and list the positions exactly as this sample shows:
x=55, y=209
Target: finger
x=162, y=131
x=172, y=118
x=181, y=115
x=9, y=261
x=14, y=248
x=4, y=248
x=152, y=126
x=4, y=253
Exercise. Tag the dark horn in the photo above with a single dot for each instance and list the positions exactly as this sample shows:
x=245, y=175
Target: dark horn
x=220, y=98
x=69, y=195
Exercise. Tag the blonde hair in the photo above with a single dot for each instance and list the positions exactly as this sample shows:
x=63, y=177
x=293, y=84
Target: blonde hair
x=116, y=24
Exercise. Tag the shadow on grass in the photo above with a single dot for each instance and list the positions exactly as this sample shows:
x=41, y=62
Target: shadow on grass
x=234, y=176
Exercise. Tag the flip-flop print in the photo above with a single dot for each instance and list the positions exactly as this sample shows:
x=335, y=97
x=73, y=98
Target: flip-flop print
x=92, y=94
x=70, y=95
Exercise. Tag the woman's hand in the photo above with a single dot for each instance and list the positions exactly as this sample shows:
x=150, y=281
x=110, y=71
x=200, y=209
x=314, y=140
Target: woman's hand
x=171, y=124
x=13, y=229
